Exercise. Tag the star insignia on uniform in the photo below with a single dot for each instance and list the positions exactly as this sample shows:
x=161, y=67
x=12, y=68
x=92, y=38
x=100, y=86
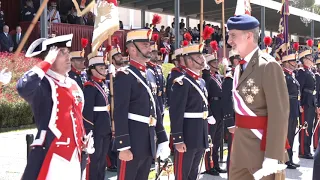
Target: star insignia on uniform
x=244, y=90
x=255, y=90
x=250, y=82
x=249, y=99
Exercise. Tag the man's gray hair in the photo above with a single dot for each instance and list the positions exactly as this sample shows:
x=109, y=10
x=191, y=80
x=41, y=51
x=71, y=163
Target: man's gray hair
x=256, y=34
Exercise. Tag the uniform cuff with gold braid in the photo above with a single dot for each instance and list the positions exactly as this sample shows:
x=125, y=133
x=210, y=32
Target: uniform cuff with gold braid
x=122, y=141
x=177, y=137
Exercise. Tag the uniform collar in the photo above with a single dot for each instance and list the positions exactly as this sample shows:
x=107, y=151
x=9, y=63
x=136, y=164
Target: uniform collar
x=56, y=76
x=75, y=70
x=306, y=67
x=249, y=56
x=137, y=65
x=98, y=80
x=183, y=67
x=288, y=70
x=192, y=74
x=151, y=64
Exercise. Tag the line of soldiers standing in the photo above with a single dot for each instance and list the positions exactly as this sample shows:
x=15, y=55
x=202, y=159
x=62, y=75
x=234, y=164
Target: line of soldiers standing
x=197, y=107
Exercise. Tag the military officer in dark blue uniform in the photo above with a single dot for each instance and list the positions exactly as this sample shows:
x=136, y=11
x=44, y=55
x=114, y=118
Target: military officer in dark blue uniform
x=316, y=124
x=307, y=81
x=96, y=114
x=289, y=63
x=77, y=72
x=117, y=61
x=316, y=142
x=154, y=71
x=214, y=85
x=28, y=11
x=227, y=102
x=188, y=114
x=137, y=114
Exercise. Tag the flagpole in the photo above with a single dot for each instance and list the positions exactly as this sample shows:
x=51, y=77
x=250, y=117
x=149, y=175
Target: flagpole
x=223, y=31
x=201, y=20
x=111, y=92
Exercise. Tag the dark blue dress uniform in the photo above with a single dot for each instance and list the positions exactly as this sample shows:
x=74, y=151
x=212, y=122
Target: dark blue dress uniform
x=28, y=13
x=316, y=129
x=294, y=99
x=175, y=72
x=135, y=115
x=189, y=125
x=78, y=76
x=97, y=118
x=155, y=73
x=307, y=83
x=228, y=110
x=316, y=142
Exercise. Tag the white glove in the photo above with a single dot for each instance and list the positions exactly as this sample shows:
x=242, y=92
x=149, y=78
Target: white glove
x=112, y=69
x=211, y=120
x=5, y=76
x=52, y=55
x=163, y=150
x=90, y=143
x=269, y=166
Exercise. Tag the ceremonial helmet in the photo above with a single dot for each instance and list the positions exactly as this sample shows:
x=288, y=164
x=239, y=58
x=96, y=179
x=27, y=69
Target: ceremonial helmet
x=40, y=47
x=214, y=55
x=292, y=54
x=307, y=52
x=80, y=54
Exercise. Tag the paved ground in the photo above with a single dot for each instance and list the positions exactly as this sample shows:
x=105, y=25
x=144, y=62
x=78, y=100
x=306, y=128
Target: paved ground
x=13, y=160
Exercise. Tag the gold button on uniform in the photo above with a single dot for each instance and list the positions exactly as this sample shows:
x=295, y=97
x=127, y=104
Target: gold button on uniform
x=179, y=137
x=120, y=142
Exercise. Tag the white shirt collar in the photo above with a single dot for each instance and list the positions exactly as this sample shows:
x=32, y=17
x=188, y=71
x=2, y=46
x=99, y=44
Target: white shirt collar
x=249, y=56
x=59, y=77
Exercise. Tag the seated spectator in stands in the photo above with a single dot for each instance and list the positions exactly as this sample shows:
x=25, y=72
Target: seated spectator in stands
x=72, y=17
x=17, y=37
x=6, y=40
x=28, y=11
x=121, y=25
x=53, y=13
x=147, y=26
x=90, y=19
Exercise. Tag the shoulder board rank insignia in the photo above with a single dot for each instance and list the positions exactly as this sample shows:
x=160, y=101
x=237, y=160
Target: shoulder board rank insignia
x=123, y=69
x=88, y=83
x=178, y=80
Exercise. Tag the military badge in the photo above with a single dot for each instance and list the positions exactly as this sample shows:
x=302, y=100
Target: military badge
x=249, y=99
x=154, y=88
x=77, y=97
x=250, y=90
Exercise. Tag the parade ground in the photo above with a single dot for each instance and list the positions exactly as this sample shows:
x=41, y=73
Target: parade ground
x=13, y=153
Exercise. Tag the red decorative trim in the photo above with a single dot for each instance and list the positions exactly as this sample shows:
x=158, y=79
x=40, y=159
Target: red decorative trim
x=180, y=166
x=137, y=65
x=316, y=138
x=97, y=79
x=192, y=74
x=151, y=64
x=45, y=66
x=88, y=83
x=175, y=69
x=122, y=173
x=75, y=70
x=108, y=161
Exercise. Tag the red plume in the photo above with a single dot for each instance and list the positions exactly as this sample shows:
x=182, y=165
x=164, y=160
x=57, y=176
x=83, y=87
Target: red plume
x=214, y=45
x=163, y=50
x=187, y=36
x=84, y=42
x=113, y=1
x=155, y=37
x=185, y=43
x=296, y=46
x=267, y=40
x=108, y=49
x=208, y=30
x=115, y=40
x=310, y=42
x=156, y=19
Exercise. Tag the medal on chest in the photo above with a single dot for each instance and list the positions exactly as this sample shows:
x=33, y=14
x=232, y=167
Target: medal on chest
x=77, y=97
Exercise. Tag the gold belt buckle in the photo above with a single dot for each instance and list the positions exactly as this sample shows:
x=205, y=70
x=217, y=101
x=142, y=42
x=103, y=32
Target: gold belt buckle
x=298, y=98
x=205, y=115
x=314, y=92
x=108, y=108
x=151, y=121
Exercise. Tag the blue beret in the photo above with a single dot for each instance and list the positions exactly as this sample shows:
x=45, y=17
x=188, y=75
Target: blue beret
x=242, y=22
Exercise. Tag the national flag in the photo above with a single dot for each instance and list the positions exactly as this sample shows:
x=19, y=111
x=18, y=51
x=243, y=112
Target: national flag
x=243, y=7
x=106, y=22
x=283, y=29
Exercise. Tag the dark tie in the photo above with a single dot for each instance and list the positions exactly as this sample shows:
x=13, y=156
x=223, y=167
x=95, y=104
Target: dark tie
x=241, y=62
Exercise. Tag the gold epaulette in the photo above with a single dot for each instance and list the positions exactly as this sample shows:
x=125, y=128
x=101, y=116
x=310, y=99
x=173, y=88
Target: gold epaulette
x=178, y=80
x=123, y=69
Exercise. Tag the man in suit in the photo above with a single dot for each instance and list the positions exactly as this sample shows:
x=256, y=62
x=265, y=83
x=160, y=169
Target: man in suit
x=28, y=11
x=6, y=40
x=17, y=37
x=261, y=106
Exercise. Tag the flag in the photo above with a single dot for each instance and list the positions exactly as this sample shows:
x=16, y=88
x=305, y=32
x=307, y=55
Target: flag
x=106, y=22
x=283, y=36
x=243, y=7
x=219, y=1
